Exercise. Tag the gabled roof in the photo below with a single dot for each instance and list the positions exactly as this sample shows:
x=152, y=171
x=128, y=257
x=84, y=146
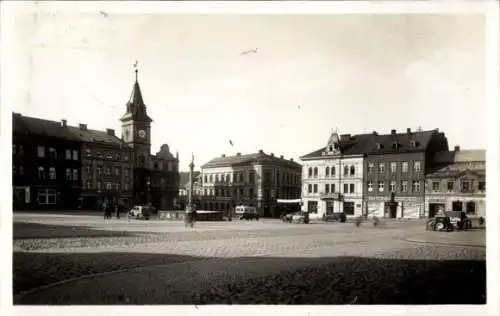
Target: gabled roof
x=375, y=144
x=91, y=135
x=36, y=126
x=261, y=157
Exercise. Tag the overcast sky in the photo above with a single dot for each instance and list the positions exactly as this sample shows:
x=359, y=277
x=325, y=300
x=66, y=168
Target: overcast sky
x=312, y=73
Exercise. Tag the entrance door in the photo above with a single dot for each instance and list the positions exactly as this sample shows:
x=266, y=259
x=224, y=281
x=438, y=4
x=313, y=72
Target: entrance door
x=471, y=208
x=390, y=209
x=434, y=209
x=329, y=207
x=349, y=208
x=267, y=212
x=457, y=206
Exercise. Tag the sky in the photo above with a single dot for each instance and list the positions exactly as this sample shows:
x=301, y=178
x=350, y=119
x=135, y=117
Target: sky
x=312, y=73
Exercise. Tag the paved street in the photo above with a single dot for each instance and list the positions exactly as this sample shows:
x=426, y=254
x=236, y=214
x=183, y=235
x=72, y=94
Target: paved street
x=264, y=262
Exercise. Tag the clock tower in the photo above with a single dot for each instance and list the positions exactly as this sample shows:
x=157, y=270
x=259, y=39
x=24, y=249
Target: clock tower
x=136, y=126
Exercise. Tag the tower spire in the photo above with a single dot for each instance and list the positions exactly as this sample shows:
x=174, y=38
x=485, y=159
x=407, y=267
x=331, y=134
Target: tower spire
x=136, y=70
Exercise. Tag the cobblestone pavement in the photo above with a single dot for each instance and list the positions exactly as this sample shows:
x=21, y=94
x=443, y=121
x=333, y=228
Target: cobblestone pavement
x=213, y=263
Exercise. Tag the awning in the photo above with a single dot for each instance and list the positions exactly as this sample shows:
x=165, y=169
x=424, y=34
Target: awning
x=289, y=201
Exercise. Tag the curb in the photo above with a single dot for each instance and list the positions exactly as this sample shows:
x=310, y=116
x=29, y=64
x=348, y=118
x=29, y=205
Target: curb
x=443, y=243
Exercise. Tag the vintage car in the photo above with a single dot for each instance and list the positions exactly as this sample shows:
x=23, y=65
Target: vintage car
x=247, y=212
x=142, y=212
x=297, y=217
x=448, y=221
x=335, y=217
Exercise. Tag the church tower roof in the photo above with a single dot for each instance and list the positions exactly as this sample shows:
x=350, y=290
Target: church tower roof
x=136, y=109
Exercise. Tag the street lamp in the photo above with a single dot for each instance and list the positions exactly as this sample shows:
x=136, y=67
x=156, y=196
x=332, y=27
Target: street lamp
x=148, y=187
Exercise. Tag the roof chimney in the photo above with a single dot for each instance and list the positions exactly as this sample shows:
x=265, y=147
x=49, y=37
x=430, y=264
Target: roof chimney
x=457, y=148
x=238, y=154
x=261, y=151
x=375, y=133
x=64, y=123
x=291, y=159
x=272, y=154
x=281, y=156
x=83, y=127
x=408, y=130
x=223, y=155
x=393, y=132
x=110, y=131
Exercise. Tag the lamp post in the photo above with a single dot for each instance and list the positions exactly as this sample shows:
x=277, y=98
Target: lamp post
x=148, y=188
x=189, y=207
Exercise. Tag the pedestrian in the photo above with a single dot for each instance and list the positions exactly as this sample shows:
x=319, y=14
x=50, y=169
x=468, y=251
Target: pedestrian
x=119, y=209
x=105, y=209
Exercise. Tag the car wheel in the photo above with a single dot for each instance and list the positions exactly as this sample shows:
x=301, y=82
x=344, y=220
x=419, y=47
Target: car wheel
x=439, y=226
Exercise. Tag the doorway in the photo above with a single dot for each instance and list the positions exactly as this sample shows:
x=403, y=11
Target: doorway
x=457, y=206
x=470, y=208
x=434, y=209
x=390, y=209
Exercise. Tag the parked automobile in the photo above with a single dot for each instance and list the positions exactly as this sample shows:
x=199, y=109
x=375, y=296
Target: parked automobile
x=335, y=217
x=448, y=221
x=142, y=212
x=247, y=212
x=297, y=217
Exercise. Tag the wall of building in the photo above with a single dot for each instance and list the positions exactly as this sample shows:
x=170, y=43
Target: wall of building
x=411, y=201
x=336, y=182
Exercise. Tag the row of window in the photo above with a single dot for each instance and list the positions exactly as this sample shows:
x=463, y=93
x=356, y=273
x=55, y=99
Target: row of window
x=52, y=153
x=417, y=167
x=349, y=171
x=107, y=185
x=331, y=188
x=239, y=177
x=403, y=187
x=108, y=170
x=239, y=193
x=51, y=173
x=466, y=186
x=106, y=155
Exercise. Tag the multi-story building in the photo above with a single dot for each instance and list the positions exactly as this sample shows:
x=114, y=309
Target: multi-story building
x=46, y=164
x=255, y=179
x=395, y=167
x=332, y=177
x=107, y=171
x=457, y=182
x=156, y=177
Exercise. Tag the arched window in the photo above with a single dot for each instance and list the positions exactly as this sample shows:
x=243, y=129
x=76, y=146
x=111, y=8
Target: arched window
x=327, y=172
x=353, y=171
x=315, y=172
x=333, y=171
x=41, y=173
x=310, y=172
x=211, y=178
x=68, y=174
x=346, y=170
x=75, y=174
x=228, y=178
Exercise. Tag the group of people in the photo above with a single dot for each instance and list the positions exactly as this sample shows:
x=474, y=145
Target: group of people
x=113, y=206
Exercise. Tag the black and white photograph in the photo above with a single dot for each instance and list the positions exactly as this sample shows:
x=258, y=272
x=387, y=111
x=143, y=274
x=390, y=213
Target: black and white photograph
x=164, y=155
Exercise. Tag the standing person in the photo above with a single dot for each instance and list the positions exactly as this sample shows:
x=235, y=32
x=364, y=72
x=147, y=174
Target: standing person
x=105, y=209
x=119, y=209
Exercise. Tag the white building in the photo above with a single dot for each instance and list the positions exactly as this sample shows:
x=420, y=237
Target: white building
x=332, y=178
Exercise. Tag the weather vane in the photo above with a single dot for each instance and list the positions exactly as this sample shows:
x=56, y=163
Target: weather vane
x=136, y=70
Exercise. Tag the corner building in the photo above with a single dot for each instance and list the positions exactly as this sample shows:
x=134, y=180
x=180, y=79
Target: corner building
x=257, y=179
x=332, y=177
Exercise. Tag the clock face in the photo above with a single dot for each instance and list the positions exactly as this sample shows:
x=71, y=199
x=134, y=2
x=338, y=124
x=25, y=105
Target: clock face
x=142, y=133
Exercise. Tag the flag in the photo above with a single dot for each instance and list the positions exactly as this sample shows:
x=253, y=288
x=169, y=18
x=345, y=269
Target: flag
x=231, y=142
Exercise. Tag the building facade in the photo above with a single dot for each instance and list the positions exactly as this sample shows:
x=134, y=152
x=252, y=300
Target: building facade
x=395, y=168
x=255, y=180
x=46, y=164
x=156, y=177
x=457, y=182
x=332, y=177
x=107, y=171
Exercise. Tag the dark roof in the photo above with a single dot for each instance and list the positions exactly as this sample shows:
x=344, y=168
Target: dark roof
x=136, y=109
x=375, y=144
x=468, y=155
x=90, y=135
x=36, y=126
x=184, y=177
x=455, y=173
x=261, y=157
